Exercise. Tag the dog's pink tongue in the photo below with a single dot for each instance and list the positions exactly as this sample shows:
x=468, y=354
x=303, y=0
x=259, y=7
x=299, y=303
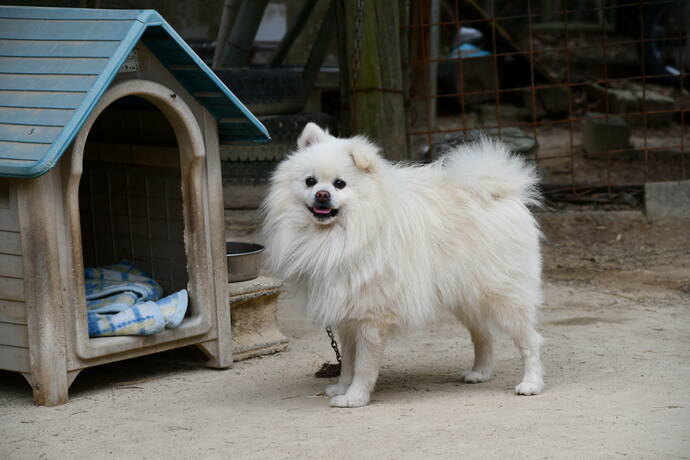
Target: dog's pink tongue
x=322, y=210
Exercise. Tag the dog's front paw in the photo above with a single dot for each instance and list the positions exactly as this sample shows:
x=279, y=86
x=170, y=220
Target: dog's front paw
x=472, y=376
x=351, y=399
x=336, y=390
x=529, y=388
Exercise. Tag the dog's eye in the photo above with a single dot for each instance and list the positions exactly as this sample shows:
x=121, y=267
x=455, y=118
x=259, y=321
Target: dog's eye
x=339, y=183
x=310, y=181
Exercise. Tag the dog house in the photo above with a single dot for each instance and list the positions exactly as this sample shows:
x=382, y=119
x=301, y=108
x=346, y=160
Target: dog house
x=109, y=149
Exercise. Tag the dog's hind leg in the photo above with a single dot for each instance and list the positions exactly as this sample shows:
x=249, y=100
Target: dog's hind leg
x=529, y=343
x=347, y=337
x=483, y=340
x=370, y=343
x=520, y=325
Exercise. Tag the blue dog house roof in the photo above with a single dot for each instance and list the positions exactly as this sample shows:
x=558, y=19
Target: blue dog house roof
x=56, y=63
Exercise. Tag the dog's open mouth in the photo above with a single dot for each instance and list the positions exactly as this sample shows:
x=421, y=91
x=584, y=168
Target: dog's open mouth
x=323, y=213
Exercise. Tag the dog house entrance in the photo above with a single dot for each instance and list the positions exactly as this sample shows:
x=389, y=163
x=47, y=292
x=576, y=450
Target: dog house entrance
x=136, y=192
x=130, y=194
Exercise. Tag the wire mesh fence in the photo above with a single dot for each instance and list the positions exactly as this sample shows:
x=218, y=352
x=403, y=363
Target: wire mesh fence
x=594, y=91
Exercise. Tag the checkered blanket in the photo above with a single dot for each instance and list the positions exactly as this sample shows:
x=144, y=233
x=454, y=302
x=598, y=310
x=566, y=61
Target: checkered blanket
x=123, y=300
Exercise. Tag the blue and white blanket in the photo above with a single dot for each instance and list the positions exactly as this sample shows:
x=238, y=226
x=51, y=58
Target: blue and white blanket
x=124, y=300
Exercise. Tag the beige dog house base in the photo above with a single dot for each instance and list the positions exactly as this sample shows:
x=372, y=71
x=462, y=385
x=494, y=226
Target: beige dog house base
x=125, y=166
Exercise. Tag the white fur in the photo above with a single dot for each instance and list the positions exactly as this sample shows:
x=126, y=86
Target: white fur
x=407, y=243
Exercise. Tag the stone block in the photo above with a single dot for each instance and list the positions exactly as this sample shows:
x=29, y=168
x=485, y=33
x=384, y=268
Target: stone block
x=635, y=99
x=667, y=199
x=600, y=135
x=253, y=306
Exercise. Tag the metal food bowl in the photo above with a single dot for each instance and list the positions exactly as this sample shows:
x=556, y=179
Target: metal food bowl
x=244, y=261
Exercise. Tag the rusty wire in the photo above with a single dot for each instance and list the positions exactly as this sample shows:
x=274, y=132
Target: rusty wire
x=654, y=147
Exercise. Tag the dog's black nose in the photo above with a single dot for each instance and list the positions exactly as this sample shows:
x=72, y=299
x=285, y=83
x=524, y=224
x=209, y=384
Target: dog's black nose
x=323, y=196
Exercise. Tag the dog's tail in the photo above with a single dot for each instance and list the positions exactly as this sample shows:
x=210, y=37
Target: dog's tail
x=486, y=168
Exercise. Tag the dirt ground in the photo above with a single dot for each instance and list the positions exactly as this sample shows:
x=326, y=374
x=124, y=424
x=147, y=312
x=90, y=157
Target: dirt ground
x=617, y=356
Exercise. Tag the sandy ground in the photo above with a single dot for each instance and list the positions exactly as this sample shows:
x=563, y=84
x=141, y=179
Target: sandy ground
x=617, y=355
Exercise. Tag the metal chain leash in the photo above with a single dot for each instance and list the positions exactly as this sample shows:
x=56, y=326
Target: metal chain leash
x=328, y=370
x=334, y=344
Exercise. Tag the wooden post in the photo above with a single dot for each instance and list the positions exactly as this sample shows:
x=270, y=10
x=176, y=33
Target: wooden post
x=227, y=20
x=424, y=71
x=237, y=49
x=371, y=74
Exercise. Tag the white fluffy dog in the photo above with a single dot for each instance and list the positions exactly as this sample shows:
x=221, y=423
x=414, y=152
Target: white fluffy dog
x=377, y=248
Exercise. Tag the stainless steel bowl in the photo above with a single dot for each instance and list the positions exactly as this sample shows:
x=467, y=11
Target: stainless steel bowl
x=244, y=261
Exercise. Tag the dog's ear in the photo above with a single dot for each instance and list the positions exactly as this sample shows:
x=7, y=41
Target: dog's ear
x=364, y=154
x=311, y=134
